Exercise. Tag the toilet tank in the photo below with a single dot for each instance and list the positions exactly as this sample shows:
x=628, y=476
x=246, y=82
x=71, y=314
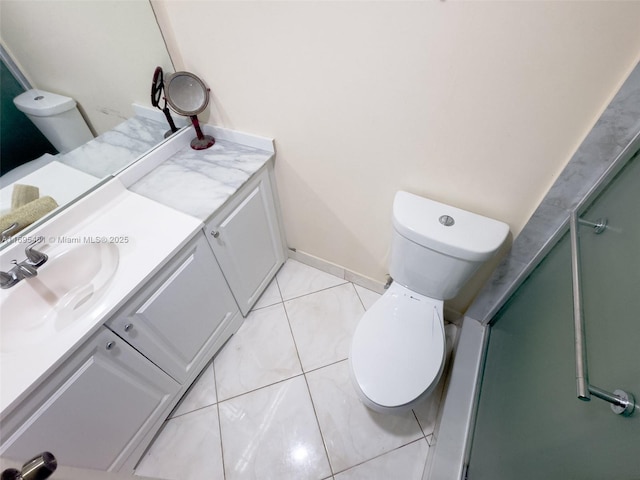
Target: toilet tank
x=436, y=248
x=56, y=116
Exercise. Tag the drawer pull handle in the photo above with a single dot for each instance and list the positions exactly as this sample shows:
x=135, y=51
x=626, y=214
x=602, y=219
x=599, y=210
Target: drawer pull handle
x=110, y=345
x=128, y=327
x=215, y=233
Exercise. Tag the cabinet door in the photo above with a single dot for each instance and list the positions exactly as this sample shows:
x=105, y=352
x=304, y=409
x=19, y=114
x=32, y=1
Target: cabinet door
x=95, y=408
x=247, y=241
x=176, y=318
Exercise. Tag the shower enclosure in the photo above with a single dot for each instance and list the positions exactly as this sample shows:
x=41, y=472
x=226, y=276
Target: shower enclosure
x=530, y=422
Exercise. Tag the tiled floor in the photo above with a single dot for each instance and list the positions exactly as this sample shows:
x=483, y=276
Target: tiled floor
x=277, y=402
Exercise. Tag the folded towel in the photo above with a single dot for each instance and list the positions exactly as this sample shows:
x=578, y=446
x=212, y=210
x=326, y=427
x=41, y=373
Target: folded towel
x=27, y=214
x=23, y=194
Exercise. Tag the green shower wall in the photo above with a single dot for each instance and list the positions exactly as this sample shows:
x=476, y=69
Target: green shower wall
x=20, y=140
x=530, y=423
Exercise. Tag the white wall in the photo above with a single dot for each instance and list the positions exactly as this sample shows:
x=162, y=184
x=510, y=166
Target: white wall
x=101, y=53
x=476, y=104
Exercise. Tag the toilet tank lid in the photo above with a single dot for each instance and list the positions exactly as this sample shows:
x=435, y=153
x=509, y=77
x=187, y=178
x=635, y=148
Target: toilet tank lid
x=43, y=104
x=468, y=236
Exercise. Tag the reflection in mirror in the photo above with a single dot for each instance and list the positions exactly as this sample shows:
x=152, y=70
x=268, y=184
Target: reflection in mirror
x=157, y=88
x=93, y=59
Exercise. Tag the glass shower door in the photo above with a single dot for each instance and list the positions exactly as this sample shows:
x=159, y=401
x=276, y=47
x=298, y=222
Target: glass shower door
x=530, y=423
x=609, y=281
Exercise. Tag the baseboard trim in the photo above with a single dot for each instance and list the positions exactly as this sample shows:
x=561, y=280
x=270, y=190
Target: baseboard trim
x=450, y=315
x=337, y=270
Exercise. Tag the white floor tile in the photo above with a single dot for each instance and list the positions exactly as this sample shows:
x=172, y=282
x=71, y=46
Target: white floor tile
x=188, y=448
x=262, y=352
x=269, y=297
x=323, y=324
x=272, y=433
x=296, y=279
x=427, y=411
x=406, y=463
x=201, y=394
x=352, y=432
x=368, y=297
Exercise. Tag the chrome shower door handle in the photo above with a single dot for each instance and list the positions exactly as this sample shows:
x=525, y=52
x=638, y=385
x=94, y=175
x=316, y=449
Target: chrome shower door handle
x=622, y=403
x=582, y=382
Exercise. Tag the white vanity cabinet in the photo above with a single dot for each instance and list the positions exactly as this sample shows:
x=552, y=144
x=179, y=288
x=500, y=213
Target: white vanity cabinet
x=100, y=398
x=178, y=319
x=103, y=406
x=247, y=239
x=93, y=409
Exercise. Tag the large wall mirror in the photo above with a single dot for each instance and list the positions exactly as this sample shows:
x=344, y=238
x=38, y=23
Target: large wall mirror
x=100, y=53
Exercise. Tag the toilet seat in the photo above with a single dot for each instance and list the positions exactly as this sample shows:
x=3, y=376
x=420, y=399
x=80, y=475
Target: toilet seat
x=398, y=349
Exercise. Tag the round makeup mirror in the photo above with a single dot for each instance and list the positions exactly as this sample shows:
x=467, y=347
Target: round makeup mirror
x=189, y=96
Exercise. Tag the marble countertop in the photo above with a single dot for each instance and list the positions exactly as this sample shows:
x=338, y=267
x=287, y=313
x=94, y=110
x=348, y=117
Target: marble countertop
x=113, y=150
x=198, y=182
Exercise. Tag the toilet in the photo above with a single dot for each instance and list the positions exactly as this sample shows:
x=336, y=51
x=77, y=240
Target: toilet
x=399, y=346
x=57, y=117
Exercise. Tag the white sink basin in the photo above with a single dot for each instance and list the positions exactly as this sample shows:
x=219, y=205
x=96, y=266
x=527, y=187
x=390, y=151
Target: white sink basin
x=66, y=288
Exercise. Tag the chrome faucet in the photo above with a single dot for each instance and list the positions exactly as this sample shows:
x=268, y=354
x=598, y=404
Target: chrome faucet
x=34, y=257
x=25, y=269
x=10, y=230
x=8, y=279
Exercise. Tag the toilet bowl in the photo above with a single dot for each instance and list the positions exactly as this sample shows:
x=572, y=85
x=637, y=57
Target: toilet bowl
x=399, y=346
x=398, y=350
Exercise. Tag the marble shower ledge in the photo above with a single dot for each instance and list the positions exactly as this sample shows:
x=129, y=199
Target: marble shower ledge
x=198, y=182
x=612, y=134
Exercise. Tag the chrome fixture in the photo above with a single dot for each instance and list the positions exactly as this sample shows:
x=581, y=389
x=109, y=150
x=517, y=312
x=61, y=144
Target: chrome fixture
x=38, y=468
x=446, y=220
x=25, y=269
x=10, y=230
x=599, y=226
x=622, y=403
x=34, y=257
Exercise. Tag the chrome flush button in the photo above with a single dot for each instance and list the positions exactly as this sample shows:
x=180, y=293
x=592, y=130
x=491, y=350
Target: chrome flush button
x=446, y=220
